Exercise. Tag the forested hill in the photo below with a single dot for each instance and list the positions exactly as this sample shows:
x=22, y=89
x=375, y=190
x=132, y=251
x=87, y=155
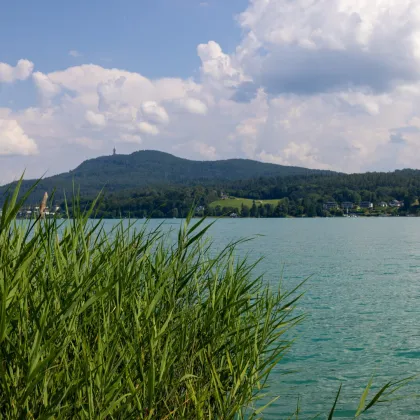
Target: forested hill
x=152, y=168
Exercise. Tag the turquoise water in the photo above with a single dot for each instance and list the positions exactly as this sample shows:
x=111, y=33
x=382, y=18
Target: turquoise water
x=362, y=302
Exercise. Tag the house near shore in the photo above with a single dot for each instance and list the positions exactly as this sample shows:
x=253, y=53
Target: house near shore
x=366, y=205
x=396, y=203
x=28, y=212
x=383, y=204
x=347, y=205
x=329, y=205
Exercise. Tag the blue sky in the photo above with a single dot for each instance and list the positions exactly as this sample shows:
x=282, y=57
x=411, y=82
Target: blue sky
x=157, y=38
x=327, y=84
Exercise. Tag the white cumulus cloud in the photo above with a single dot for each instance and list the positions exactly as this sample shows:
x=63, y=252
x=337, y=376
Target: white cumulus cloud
x=14, y=141
x=147, y=128
x=21, y=71
x=154, y=112
x=193, y=105
x=306, y=46
x=95, y=119
x=46, y=87
x=218, y=66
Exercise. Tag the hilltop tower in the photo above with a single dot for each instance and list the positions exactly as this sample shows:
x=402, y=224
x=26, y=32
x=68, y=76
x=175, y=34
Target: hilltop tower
x=114, y=151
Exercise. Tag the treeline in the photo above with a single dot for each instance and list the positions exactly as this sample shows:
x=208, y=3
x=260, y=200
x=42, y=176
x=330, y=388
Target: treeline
x=154, y=202
x=284, y=208
x=301, y=196
x=374, y=187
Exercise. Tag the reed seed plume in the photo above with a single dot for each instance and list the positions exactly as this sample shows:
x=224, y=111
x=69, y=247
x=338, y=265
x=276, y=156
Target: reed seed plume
x=43, y=205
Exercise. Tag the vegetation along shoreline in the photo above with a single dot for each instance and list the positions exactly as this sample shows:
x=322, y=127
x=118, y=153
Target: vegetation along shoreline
x=151, y=184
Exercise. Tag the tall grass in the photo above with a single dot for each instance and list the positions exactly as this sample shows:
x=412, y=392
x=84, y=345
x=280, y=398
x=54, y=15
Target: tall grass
x=126, y=324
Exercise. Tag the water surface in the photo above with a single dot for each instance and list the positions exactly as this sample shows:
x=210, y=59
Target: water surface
x=362, y=301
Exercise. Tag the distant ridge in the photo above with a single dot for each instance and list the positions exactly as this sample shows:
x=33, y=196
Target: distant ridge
x=153, y=168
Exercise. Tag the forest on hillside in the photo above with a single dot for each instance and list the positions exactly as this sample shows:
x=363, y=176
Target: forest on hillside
x=121, y=174
x=297, y=196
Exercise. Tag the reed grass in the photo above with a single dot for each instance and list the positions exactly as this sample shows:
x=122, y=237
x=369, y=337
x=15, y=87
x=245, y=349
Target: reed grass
x=129, y=325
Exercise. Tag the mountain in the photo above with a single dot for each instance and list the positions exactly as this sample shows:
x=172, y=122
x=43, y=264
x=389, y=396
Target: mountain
x=153, y=168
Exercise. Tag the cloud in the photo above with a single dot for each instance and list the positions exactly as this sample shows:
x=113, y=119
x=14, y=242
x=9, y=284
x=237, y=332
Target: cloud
x=311, y=47
x=146, y=128
x=219, y=67
x=204, y=150
x=397, y=138
x=130, y=138
x=297, y=70
x=415, y=122
x=124, y=86
x=245, y=92
x=95, y=119
x=75, y=53
x=14, y=141
x=322, y=24
x=45, y=86
x=250, y=127
x=87, y=142
x=295, y=154
x=153, y=111
x=10, y=74
x=365, y=102
x=302, y=71
x=195, y=106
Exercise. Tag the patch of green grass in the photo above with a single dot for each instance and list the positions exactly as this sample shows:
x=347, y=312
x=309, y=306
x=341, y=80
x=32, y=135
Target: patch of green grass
x=234, y=202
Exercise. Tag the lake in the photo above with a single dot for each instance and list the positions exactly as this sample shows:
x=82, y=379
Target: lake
x=362, y=304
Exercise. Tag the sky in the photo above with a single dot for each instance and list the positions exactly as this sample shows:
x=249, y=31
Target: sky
x=329, y=84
